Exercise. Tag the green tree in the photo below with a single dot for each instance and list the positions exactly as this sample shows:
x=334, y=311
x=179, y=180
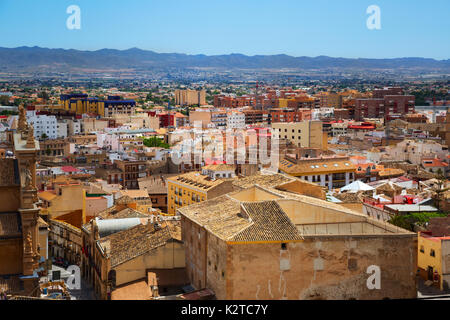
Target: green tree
x=155, y=142
x=408, y=221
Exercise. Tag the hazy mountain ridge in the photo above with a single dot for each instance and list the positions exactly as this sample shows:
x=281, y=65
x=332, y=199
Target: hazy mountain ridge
x=37, y=57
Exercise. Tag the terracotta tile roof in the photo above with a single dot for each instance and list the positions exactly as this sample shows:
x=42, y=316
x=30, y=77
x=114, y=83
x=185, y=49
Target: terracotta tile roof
x=47, y=195
x=10, y=225
x=113, y=213
x=316, y=166
x=363, y=166
x=264, y=180
x=141, y=193
x=197, y=180
x=269, y=223
x=219, y=167
x=220, y=215
x=153, y=185
x=386, y=172
x=434, y=163
x=131, y=243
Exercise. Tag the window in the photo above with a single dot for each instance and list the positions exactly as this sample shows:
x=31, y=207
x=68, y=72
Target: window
x=432, y=253
x=422, y=249
x=284, y=246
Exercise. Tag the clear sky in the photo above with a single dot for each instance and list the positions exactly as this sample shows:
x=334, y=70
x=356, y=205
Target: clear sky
x=337, y=28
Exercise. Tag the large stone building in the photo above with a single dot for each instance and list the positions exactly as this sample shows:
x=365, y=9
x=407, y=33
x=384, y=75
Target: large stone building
x=269, y=241
x=19, y=214
x=190, y=97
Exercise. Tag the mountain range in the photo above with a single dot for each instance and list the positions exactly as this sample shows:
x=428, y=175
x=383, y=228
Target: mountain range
x=37, y=58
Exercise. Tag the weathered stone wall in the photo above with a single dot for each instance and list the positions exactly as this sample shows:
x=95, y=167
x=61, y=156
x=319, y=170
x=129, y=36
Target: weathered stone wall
x=194, y=238
x=323, y=268
x=217, y=268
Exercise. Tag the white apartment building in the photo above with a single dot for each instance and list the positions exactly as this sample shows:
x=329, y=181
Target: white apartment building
x=43, y=124
x=235, y=120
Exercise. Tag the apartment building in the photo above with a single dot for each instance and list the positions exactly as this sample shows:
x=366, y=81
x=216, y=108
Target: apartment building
x=307, y=134
x=330, y=172
x=257, y=117
x=131, y=171
x=290, y=115
x=384, y=106
x=190, y=97
x=193, y=187
x=80, y=104
x=44, y=126
x=235, y=120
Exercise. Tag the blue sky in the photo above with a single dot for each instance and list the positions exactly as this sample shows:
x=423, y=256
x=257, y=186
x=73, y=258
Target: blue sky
x=409, y=28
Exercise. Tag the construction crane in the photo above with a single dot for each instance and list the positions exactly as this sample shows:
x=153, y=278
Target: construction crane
x=258, y=106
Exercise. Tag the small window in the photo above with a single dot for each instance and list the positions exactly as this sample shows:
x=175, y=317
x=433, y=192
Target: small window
x=432, y=253
x=284, y=246
x=422, y=249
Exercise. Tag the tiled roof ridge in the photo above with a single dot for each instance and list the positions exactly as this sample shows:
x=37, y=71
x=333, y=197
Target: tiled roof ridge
x=164, y=230
x=261, y=222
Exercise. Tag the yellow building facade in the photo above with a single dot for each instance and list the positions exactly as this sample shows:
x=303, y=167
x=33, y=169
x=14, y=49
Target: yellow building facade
x=193, y=187
x=308, y=134
x=434, y=259
x=84, y=106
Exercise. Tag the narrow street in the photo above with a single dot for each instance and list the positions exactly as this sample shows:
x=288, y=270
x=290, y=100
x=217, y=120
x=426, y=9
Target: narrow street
x=431, y=292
